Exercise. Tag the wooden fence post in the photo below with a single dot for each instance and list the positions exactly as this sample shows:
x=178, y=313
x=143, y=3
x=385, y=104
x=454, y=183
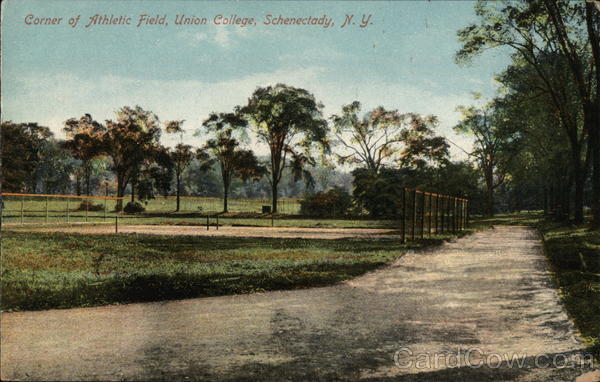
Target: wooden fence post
x=467, y=215
x=422, y=215
x=46, y=209
x=105, y=200
x=116, y=223
x=414, y=215
x=403, y=221
x=87, y=208
x=430, y=208
x=207, y=222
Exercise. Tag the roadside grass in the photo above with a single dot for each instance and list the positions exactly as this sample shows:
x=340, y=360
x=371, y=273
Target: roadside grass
x=58, y=270
x=574, y=255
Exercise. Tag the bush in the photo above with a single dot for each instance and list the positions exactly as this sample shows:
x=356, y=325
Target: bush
x=87, y=205
x=134, y=208
x=335, y=202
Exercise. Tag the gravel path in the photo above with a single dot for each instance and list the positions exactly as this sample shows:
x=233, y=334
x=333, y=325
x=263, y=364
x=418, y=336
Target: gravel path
x=484, y=295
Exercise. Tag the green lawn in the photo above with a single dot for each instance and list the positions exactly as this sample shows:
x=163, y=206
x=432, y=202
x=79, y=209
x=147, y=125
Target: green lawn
x=56, y=270
x=574, y=254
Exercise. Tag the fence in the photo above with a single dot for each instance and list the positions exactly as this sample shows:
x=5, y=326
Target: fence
x=419, y=213
x=21, y=208
x=423, y=213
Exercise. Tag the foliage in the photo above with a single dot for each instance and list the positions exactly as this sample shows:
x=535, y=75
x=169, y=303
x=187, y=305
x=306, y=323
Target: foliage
x=134, y=208
x=333, y=203
x=130, y=141
x=385, y=136
x=22, y=146
x=289, y=120
x=84, y=143
x=224, y=148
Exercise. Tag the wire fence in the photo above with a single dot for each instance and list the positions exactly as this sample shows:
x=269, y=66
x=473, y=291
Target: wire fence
x=32, y=208
x=419, y=214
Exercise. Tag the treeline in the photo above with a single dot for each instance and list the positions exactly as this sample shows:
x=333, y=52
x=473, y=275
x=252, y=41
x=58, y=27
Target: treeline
x=124, y=156
x=541, y=135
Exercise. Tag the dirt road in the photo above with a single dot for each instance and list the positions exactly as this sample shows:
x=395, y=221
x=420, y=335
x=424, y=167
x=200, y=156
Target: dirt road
x=186, y=230
x=480, y=299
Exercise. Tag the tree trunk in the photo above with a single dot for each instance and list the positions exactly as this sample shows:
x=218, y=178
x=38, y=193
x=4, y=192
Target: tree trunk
x=178, y=190
x=274, y=197
x=120, y=193
x=225, y=196
x=594, y=141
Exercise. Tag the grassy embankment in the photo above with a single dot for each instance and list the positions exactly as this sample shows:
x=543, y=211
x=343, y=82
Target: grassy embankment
x=57, y=270
x=574, y=254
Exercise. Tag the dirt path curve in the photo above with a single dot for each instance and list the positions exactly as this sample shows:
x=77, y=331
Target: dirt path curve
x=489, y=292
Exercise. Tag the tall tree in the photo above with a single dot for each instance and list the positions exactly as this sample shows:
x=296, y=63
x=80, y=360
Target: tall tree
x=181, y=156
x=83, y=141
x=490, y=148
x=129, y=141
x=225, y=149
x=290, y=122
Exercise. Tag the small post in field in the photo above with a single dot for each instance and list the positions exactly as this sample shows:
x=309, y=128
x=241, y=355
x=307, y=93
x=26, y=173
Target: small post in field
x=46, y=209
x=116, y=223
x=87, y=209
x=217, y=222
x=207, y=222
x=272, y=220
x=467, y=215
x=67, y=210
x=105, y=209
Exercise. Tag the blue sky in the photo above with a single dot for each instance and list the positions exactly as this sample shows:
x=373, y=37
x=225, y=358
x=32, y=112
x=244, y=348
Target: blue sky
x=403, y=60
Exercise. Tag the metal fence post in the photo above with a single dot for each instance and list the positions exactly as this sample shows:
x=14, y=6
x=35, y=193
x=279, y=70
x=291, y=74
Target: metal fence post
x=46, y=209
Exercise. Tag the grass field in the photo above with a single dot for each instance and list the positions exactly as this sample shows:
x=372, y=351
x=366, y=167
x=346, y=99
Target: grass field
x=54, y=270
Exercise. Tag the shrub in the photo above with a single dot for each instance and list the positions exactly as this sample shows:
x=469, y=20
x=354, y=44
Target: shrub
x=335, y=202
x=88, y=205
x=134, y=208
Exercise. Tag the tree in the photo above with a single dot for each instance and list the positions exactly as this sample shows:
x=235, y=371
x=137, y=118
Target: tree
x=181, y=156
x=130, y=140
x=289, y=121
x=225, y=149
x=534, y=29
x=386, y=136
x=83, y=142
x=22, y=146
x=490, y=146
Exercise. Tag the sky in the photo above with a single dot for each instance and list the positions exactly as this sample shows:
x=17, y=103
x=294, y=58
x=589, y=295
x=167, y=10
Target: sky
x=403, y=59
